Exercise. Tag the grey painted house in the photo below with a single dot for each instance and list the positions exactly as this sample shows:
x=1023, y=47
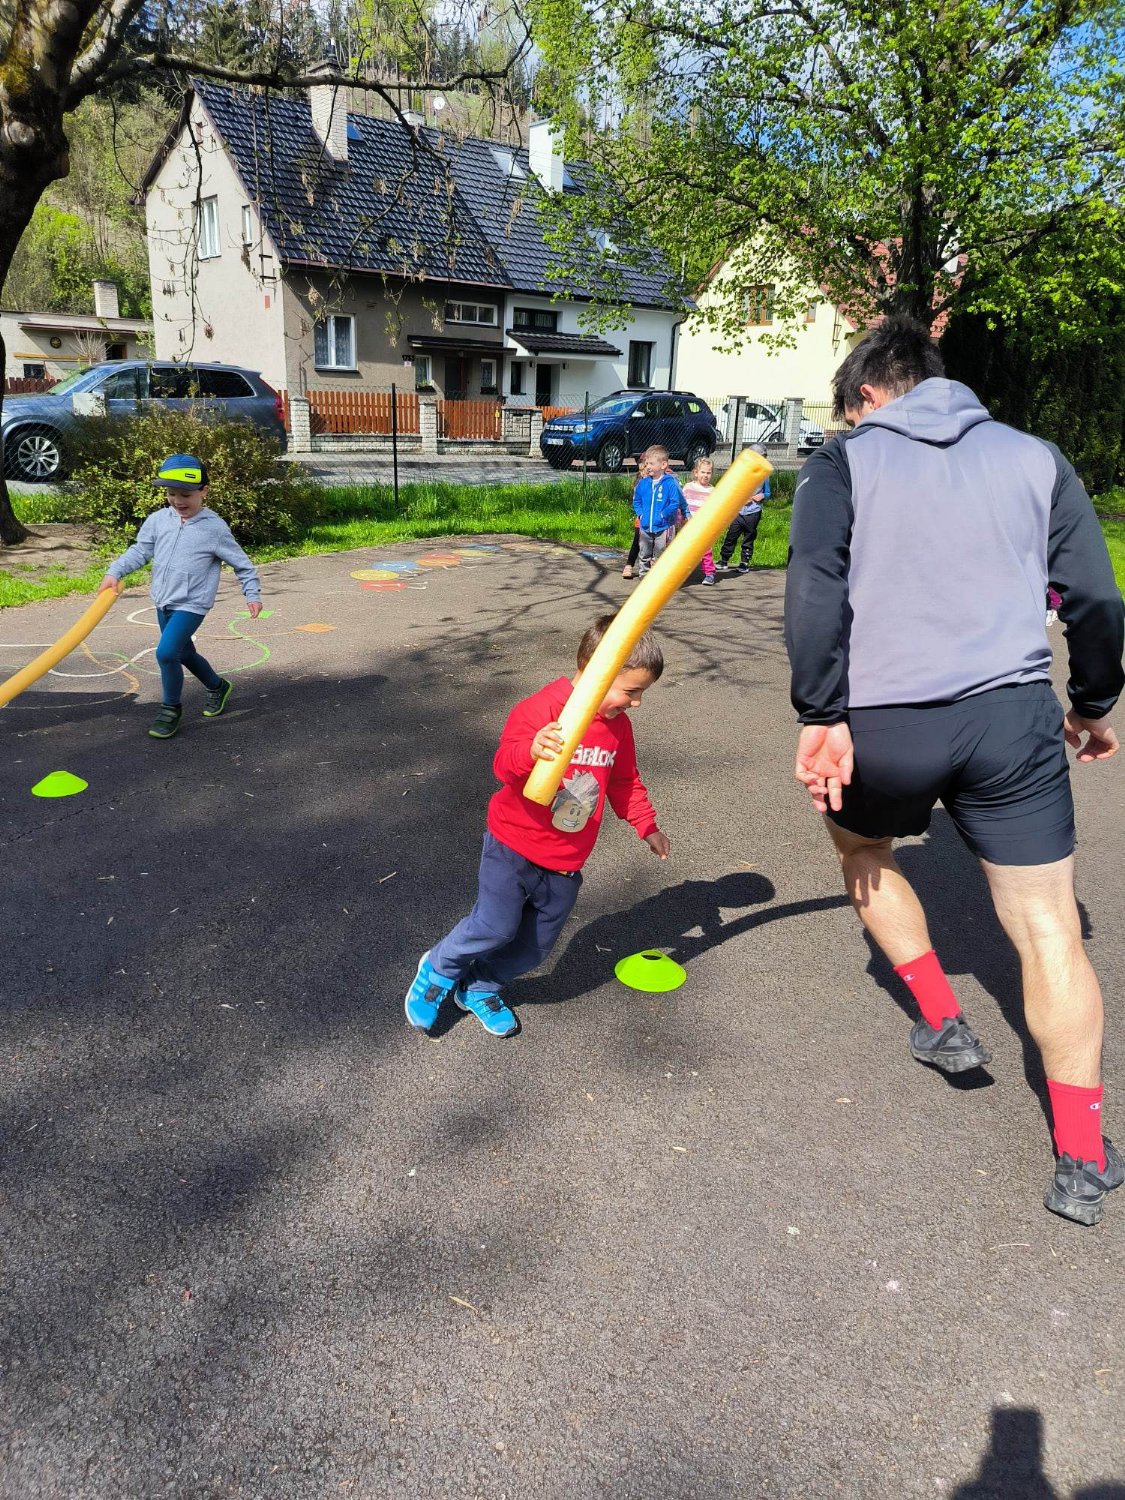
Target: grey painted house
x=333, y=250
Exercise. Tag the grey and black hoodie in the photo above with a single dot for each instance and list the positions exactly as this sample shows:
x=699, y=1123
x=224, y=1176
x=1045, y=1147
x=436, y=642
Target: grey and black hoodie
x=921, y=548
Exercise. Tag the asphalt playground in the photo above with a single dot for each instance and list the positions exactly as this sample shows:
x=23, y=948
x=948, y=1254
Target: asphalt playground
x=260, y=1240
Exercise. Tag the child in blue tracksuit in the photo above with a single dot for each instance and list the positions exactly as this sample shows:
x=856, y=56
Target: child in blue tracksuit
x=186, y=543
x=660, y=507
x=745, y=525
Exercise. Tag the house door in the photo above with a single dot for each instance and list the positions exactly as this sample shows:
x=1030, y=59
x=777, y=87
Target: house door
x=543, y=383
x=456, y=380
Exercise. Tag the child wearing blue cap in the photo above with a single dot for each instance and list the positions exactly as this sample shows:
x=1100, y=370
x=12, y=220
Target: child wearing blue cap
x=186, y=543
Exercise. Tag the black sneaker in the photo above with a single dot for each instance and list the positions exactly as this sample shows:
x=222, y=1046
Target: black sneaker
x=954, y=1048
x=1079, y=1189
x=167, y=721
x=215, y=699
x=743, y=568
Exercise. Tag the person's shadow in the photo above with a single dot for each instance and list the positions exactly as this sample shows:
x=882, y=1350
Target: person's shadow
x=1012, y=1469
x=685, y=921
x=968, y=939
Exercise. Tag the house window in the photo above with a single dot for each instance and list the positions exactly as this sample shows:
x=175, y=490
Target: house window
x=334, y=343
x=247, y=224
x=35, y=372
x=517, y=378
x=208, y=228
x=759, y=306
x=470, y=312
x=810, y=312
x=544, y=319
x=423, y=371
x=488, y=376
x=605, y=242
x=640, y=363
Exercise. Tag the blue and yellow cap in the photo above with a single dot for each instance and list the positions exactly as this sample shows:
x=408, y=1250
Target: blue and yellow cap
x=182, y=469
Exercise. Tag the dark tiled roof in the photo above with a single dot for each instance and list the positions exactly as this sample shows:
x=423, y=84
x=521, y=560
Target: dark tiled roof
x=561, y=343
x=388, y=208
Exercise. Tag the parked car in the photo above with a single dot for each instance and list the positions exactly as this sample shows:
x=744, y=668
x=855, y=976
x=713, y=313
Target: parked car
x=623, y=425
x=762, y=423
x=34, y=429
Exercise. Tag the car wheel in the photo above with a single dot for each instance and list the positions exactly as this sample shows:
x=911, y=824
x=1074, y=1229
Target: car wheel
x=34, y=455
x=611, y=455
x=698, y=450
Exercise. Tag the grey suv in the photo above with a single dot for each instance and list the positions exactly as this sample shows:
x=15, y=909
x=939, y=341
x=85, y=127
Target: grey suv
x=34, y=429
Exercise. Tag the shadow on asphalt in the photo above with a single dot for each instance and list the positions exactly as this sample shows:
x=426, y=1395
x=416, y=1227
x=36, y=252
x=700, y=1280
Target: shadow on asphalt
x=667, y=920
x=1012, y=1469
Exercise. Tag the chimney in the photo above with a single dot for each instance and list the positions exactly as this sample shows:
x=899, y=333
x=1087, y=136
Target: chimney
x=105, y=300
x=412, y=117
x=545, y=154
x=329, y=105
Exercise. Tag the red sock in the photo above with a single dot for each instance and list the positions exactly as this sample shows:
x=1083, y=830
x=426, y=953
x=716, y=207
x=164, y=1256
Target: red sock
x=929, y=986
x=1077, y=1114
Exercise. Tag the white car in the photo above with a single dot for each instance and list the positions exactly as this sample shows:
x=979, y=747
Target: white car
x=766, y=424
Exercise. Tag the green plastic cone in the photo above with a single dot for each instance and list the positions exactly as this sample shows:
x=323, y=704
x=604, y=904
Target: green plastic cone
x=650, y=971
x=59, y=784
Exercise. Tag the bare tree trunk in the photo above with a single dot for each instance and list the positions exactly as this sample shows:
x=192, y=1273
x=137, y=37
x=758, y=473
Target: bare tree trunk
x=34, y=72
x=12, y=529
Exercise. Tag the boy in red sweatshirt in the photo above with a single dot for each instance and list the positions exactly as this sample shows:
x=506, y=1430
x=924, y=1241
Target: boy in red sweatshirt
x=531, y=867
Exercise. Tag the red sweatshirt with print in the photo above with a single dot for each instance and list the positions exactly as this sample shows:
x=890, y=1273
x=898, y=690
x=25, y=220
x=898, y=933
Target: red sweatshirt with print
x=604, y=765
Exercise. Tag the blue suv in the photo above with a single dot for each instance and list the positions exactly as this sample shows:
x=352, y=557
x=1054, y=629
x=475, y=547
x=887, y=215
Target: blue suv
x=623, y=425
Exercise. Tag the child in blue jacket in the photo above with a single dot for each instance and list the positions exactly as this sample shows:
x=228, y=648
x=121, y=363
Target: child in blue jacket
x=660, y=507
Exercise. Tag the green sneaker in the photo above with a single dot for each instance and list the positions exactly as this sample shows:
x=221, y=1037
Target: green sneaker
x=167, y=721
x=215, y=699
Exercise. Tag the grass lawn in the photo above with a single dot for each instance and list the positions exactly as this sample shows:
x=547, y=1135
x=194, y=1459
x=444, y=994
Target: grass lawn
x=365, y=516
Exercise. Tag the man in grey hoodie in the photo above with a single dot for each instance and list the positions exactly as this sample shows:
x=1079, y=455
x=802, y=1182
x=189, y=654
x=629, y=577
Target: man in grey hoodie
x=922, y=545
x=187, y=543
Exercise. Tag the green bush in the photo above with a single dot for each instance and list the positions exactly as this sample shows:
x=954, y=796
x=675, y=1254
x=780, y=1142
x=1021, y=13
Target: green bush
x=260, y=496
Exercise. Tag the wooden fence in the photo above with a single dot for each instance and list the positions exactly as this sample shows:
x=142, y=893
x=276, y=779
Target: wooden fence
x=341, y=412
x=469, y=419
x=369, y=412
x=19, y=385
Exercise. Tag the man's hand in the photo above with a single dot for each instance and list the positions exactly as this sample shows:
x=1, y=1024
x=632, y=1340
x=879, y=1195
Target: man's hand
x=659, y=843
x=255, y=607
x=548, y=743
x=825, y=760
x=1101, y=742
x=109, y=582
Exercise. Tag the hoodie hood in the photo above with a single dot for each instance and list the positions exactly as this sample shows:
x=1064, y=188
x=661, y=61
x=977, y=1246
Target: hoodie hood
x=937, y=411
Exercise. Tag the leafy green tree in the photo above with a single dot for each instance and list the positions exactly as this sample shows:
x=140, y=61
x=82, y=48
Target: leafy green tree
x=874, y=150
x=54, y=54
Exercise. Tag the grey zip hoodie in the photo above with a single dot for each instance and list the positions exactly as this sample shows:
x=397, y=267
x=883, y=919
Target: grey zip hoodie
x=920, y=550
x=186, y=558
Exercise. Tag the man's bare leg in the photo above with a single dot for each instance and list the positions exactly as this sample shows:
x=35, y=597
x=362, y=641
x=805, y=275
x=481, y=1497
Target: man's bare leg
x=1061, y=995
x=886, y=904
x=883, y=898
x=1063, y=1005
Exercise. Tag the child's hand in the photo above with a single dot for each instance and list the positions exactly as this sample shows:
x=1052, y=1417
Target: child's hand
x=108, y=582
x=255, y=607
x=548, y=743
x=659, y=843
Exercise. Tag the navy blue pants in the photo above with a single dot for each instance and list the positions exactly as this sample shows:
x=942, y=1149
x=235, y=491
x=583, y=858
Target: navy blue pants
x=520, y=911
x=176, y=650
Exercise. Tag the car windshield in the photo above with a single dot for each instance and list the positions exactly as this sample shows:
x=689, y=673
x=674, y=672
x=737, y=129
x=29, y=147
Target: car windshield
x=613, y=406
x=76, y=382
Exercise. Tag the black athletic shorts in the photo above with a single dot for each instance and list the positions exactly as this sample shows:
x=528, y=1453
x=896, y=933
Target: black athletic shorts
x=997, y=761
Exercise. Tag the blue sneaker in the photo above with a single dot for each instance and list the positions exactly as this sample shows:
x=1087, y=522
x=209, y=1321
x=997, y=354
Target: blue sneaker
x=489, y=1010
x=424, y=997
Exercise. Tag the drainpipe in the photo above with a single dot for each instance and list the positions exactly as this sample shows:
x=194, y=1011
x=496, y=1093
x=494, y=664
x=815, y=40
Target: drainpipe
x=672, y=354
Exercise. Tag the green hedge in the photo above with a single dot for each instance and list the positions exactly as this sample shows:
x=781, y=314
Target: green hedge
x=260, y=496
